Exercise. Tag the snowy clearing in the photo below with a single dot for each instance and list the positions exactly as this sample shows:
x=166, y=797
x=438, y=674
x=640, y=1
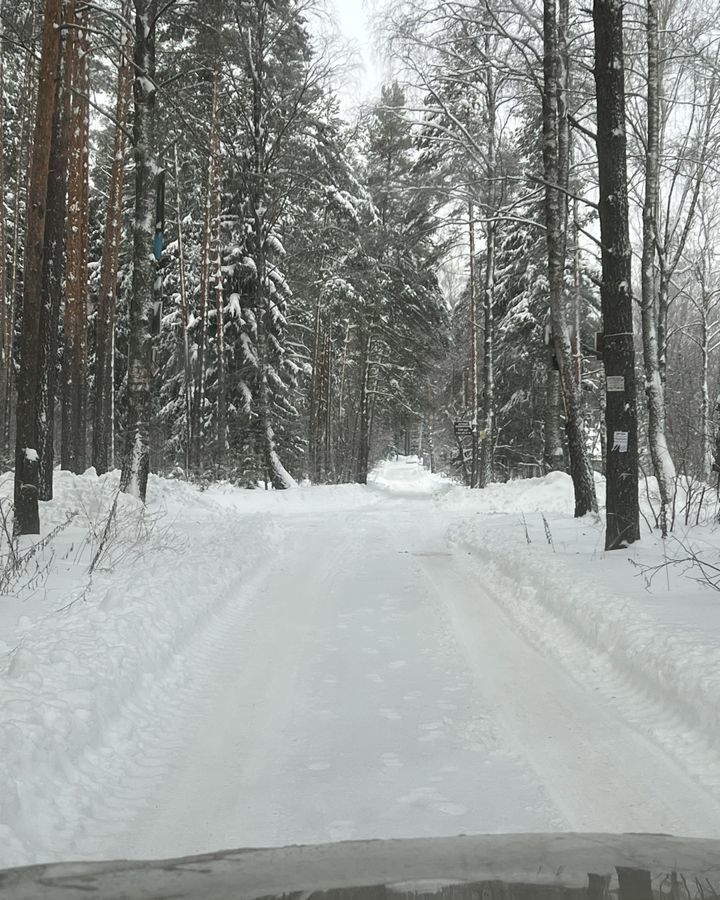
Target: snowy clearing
x=265, y=668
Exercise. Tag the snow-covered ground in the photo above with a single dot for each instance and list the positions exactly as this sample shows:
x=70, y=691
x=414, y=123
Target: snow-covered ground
x=408, y=659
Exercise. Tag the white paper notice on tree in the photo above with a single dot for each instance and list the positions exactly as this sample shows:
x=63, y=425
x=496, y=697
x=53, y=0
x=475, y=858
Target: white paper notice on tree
x=620, y=441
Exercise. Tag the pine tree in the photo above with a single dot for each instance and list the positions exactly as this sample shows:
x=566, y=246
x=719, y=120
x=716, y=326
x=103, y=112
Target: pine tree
x=29, y=425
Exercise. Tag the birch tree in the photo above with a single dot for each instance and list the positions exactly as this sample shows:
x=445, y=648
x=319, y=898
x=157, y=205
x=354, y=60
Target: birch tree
x=556, y=158
x=136, y=464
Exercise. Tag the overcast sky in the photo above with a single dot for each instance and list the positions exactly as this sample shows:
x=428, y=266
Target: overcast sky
x=353, y=18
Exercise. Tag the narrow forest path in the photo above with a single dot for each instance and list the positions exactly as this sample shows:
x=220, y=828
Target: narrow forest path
x=369, y=685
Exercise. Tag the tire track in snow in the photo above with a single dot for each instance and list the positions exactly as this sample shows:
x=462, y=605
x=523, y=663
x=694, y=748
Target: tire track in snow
x=657, y=787
x=111, y=783
x=214, y=716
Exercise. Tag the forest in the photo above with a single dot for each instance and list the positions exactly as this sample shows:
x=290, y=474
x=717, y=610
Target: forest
x=505, y=264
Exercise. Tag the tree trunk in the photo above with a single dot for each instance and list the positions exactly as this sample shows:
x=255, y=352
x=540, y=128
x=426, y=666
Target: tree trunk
x=363, y=457
x=275, y=471
x=616, y=293
x=474, y=393
x=328, y=461
x=54, y=259
x=76, y=280
x=372, y=406
x=184, y=317
x=486, y=435
x=27, y=517
x=220, y=338
x=342, y=440
x=654, y=383
x=103, y=419
x=553, y=453
x=313, y=411
x=555, y=163
x=6, y=324
x=316, y=378
x=136, y=465
x=205, y=278
x=577, y=313
x=22, y=180
x=705, y=426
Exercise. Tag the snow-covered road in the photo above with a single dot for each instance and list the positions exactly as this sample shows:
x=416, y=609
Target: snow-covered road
x=365, y=682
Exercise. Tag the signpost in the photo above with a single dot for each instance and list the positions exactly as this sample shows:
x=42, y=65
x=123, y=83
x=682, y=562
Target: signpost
x=463, y=428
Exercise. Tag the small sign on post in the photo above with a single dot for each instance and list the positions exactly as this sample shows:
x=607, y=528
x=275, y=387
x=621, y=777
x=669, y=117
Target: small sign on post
x=620, y=441
x=615, y=383
x=463, y=428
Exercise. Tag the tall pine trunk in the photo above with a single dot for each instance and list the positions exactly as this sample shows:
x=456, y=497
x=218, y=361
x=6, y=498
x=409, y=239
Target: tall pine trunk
x=54, y=260
x=21, y=186
x=76, y=280
x=616, y=293
x=27, y=468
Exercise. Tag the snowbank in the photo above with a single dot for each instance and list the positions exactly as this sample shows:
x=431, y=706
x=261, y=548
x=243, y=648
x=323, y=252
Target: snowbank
x=405, y=477
x=551, y=494
x=87, y=659
x=654, y=647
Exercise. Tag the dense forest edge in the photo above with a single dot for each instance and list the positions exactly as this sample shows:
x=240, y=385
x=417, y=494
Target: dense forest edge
x=504, y=264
